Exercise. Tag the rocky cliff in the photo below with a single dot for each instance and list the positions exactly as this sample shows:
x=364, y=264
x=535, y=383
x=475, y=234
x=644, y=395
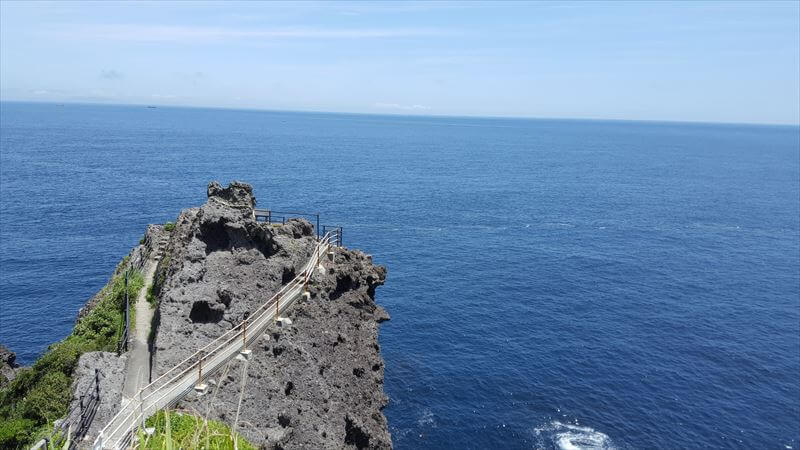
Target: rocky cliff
x=317, y=383
x=8, y=365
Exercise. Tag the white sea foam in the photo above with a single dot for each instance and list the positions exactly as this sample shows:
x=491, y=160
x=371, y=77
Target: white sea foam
x=427, y=419
x=565, y=436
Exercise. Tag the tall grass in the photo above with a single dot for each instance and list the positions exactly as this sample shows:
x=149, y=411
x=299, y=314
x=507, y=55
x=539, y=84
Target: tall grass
x=181, y=430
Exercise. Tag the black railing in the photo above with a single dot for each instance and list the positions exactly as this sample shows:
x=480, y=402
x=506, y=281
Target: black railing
x=123, y=343
x=87, y=408
x=270, y=216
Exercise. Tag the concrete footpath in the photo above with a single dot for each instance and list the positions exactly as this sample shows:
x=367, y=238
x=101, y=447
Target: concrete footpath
x=137, y=367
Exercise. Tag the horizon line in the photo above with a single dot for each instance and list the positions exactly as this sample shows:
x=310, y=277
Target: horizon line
x=422, y=115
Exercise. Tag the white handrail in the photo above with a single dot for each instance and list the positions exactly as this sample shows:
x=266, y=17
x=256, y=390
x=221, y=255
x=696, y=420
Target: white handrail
x=175, y=383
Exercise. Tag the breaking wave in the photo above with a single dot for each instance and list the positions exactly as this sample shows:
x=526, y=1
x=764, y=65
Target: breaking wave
x=566, y=436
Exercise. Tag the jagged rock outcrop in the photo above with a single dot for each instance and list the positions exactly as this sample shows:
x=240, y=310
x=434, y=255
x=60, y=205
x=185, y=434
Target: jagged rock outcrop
x=8, y=365
x=105, y=372
x=236, y=194
x=317, y=383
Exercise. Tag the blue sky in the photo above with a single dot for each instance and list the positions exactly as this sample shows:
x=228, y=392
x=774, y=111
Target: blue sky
x=718, y=62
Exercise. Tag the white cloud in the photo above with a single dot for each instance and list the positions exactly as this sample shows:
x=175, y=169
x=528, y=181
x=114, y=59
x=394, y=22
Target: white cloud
x=111, y=75
x=402, y=107
x=188, y=34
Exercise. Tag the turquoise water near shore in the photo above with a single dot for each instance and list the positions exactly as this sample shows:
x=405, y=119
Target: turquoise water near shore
x=551, y=283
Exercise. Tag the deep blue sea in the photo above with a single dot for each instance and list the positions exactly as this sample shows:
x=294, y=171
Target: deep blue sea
x=552, y=283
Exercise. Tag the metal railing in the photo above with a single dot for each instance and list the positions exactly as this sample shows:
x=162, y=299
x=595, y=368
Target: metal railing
x=174, y=384
x=72, y=432
x=271, y=216
x=123, y=343
x=336, y=234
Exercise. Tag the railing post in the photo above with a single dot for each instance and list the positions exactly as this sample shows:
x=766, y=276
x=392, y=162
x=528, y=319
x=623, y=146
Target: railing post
x=200, y=387
x=127, y=312
x=244, y=335
x=97, y=382
x=141, y=409
x=68, y=442
x=277, y=307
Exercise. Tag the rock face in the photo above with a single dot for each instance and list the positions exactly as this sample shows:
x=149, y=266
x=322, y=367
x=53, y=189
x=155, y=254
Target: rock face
x=317, y=383
x=108, y=370
x=236, y=194
x=8, y=365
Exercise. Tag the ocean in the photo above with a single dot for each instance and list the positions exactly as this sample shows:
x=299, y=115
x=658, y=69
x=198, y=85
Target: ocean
x=552, y=283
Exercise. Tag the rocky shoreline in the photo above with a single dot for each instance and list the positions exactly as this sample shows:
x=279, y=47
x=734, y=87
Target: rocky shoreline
x=316, y=383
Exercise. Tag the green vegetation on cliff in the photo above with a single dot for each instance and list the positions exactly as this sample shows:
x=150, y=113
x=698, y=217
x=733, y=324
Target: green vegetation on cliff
x=41, y=394
x=175, y=430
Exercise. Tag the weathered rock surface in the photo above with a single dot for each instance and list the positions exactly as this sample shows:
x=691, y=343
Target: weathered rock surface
x=109, y=371
x=236, y=194
x=317, y=383
x=8, y=365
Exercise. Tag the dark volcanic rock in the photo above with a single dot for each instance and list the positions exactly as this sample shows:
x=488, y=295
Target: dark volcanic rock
x=236, y=194
x=109, y=370
x=8, y=365
x=317, y=383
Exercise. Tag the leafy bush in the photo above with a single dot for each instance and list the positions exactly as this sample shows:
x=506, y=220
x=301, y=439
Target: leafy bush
x=49, y=398
x=15, y=433
x=152, y=299
x=169, y=226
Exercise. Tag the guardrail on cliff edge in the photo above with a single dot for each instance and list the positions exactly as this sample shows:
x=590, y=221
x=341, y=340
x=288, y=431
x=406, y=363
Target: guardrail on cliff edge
x=271, y=216
x=123, y=343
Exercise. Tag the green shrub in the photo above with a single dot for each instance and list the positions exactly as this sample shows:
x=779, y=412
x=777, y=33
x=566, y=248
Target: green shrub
x=102, y=329
x=121, y=266
x=135, y=284
x=63, y=356
x=162, y=273
x=49, y=398
x=169, y=226
x=15, y=433
x=152, y=299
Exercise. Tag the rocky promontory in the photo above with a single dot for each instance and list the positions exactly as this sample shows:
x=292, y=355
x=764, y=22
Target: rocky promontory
x=317, y=383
